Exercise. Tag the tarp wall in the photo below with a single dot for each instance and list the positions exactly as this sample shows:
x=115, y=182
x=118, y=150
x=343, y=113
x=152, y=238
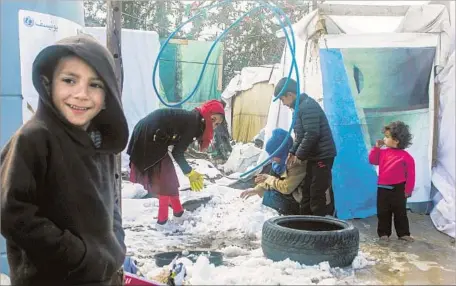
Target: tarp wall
x=250, y=111
x=245, y=80
x=443, y=173
x=180, y=67
x=364, y=88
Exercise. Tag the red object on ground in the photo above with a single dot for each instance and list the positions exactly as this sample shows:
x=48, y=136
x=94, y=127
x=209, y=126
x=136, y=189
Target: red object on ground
x=134, y=280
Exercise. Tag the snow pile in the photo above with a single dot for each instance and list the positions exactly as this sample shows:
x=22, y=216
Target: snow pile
x=258, y=271
x=227, y=224
x=233, y=251
x=226, y=214
x=242, y=158
x=362, y=261
x=132, y=190
x=211, y=174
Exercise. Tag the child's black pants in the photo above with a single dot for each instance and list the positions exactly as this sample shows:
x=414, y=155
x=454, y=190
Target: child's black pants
x=392, y=203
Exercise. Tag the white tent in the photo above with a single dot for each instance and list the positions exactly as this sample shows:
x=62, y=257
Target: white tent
x=421, y=27
x=139, y=52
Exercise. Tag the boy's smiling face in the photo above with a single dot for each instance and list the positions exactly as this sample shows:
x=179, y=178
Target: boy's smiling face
x=77, y=91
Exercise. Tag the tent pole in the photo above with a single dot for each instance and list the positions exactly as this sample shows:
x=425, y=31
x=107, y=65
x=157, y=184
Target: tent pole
x=113, y=42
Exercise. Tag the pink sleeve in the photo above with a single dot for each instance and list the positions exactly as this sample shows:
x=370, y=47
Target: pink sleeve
x=410, y=174
x=374, y=155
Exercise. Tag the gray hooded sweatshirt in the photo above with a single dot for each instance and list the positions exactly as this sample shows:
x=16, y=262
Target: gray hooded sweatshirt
x=58, y=203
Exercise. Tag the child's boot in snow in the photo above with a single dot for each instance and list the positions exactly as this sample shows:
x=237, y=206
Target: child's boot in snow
x=181, y=217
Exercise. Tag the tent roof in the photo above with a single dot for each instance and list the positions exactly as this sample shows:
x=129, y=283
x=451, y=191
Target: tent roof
x=247, y=78
x=428, y=18
x=408, y=17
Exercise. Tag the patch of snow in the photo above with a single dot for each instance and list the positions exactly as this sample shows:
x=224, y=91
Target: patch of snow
x=242, y=157
x=225, y=181
x=256, y=271
x=205, y=167
x=132, y=190
x=361, y=261
x=201, y=166
x=227, y=224
x=234, y=251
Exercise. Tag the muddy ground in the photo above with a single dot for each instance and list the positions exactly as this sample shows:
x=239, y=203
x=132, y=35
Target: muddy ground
x=429, y=260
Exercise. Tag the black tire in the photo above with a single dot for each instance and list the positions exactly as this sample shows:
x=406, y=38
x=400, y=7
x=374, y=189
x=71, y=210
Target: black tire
x=310, y=240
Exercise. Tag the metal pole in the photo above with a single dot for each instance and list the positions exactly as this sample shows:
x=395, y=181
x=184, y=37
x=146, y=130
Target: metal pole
x=113, y=42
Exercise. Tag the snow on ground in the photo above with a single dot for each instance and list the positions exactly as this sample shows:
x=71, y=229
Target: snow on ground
x=241, y=158
x=227, y=224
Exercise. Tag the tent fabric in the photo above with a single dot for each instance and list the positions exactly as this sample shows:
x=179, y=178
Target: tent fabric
x=430, y=19
x=180, y=68
x=365, y=89
x=444, y=171
x=250, y=111
x=242, y=81
x=314, y=35
x=139, y=52
x=168, y=71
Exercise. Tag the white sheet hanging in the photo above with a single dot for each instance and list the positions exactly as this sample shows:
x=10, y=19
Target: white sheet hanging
x=443, y=173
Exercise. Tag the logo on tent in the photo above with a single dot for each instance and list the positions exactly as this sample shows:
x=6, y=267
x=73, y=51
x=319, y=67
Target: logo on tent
x=28, y=21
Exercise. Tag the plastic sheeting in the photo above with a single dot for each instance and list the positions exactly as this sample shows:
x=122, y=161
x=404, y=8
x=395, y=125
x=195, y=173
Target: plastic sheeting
x=430, y=19
x=250, y=111
x=139, y=52
x=245, y=80
x=168, y=72
x=443, y=175
x=365, y=89
x=180, y=68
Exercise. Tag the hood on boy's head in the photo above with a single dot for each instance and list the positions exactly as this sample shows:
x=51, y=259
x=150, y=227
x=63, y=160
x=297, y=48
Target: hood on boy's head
x=278, y=136
x=111, y=121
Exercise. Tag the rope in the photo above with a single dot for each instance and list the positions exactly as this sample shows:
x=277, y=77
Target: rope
x=291, y=44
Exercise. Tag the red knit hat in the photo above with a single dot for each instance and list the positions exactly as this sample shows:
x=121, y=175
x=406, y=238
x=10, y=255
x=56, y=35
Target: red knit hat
x=206, y=110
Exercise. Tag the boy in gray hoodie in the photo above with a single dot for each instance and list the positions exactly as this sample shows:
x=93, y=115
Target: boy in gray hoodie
x=59, y=214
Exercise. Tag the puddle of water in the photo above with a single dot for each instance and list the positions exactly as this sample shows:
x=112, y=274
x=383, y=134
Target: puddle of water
x=400, y=263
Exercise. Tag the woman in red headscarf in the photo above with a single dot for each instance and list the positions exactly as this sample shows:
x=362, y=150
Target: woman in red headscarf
x=150, y=160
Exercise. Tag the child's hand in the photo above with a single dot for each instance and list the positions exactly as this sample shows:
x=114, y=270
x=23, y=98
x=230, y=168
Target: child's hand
x=248, y=193
x=291, y=160
x=261, y=178
x=379, y=143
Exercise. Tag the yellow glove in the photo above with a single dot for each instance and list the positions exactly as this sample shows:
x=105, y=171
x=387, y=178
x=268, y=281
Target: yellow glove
x=196, y=180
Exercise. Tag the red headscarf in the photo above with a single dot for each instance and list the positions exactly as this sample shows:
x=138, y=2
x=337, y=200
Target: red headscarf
x=206, y=110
